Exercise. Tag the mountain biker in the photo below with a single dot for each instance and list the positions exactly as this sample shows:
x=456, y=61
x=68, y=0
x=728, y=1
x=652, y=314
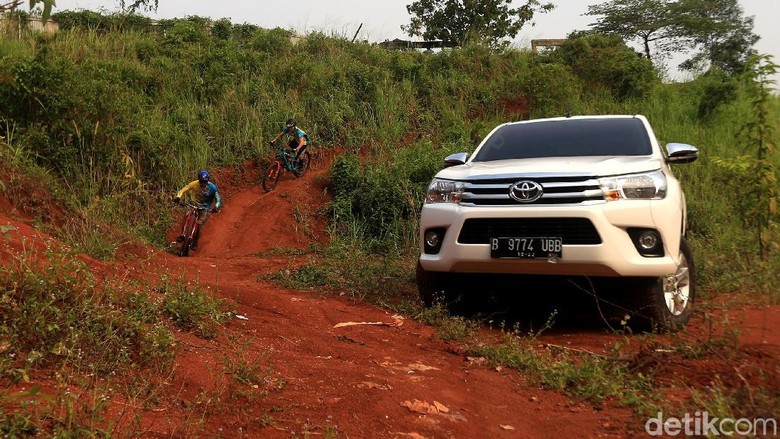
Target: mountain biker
x=203, y=193
x=299, y=140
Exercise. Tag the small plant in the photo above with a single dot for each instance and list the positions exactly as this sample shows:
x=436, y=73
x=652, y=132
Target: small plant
x=725, y=401
x=64, y=414
x=91, y=237
x=455, y=328
x=193, y=309
x=13, y=424
x=252, y=372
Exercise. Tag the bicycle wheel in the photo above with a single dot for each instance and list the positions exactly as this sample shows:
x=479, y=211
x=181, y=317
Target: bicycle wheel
x=304, y=161
x=188, y=234
x=271, y=176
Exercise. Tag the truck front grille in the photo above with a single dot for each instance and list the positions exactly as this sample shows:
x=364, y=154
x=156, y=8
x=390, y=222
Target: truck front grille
x=568, y=189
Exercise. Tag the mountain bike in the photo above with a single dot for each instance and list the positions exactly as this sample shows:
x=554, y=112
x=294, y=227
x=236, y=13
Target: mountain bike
x=189, y=227
x=285, y=161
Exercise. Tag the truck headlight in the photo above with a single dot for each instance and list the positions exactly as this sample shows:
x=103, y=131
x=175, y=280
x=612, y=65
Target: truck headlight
x=645, y=186
x=444, y=191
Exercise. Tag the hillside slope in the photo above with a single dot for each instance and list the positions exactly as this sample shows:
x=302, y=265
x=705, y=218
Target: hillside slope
x=331, y=366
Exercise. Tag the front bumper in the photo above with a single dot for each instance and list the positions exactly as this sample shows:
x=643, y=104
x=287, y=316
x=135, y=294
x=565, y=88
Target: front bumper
x=615, y=255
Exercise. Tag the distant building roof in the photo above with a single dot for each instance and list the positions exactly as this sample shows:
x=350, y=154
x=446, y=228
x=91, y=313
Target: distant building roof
x=546, y=42
x=406, y=44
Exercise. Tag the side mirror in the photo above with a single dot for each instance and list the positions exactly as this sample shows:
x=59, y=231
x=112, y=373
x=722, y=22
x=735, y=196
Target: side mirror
x=458, y=158
x=681, y=153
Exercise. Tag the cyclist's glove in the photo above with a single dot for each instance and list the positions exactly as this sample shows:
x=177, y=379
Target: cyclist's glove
x=272, y=143
x=176, y=200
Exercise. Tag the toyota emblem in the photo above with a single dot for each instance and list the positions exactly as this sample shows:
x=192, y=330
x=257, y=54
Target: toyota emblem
x=525, y=191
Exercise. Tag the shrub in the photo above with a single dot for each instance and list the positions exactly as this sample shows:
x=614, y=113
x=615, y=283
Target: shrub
x=606, y=62
x=345, y=174
x=714, y=89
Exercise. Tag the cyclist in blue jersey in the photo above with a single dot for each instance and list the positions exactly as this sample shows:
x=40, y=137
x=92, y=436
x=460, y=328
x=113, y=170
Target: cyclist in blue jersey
x=203, y=193
x=299, y=140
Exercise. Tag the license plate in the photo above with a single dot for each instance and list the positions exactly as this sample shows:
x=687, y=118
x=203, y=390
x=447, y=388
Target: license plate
x=526, y=247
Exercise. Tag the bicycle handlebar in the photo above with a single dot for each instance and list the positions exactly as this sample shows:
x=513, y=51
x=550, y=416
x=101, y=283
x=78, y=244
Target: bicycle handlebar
x=193, y=206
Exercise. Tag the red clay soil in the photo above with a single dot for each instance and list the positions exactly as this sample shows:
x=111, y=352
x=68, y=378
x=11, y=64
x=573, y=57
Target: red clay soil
x=386, y=377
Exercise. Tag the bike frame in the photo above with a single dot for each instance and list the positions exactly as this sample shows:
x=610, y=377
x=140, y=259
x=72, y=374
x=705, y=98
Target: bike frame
x=189, y=227
x=286, y=158
x=285, y=161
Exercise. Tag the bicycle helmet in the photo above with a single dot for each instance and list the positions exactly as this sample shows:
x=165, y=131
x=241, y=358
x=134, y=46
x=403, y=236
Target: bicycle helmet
x=291, y=123
x=203, y=175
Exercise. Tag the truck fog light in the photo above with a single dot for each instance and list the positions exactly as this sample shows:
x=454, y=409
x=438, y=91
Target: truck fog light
x=432, y=240
x=648, y=240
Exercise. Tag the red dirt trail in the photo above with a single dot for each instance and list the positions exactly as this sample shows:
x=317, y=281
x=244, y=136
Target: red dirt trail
x=396, y=379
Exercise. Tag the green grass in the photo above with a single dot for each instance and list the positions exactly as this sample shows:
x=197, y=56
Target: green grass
x=587, y=376
x=55, y=311
x=347, y=270
x=91, y=339
x=191, y=308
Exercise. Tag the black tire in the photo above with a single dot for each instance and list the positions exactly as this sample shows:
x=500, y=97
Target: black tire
x=304, y=161
x=666, y=303
x=429, y=286
x=436, y=289
x=271, y=176
x=187, y=243
x=444, y=289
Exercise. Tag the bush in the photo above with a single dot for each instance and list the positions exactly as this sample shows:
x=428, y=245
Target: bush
x=551, y=89
x=345, y=175
x=606, y=62
x=714, y=89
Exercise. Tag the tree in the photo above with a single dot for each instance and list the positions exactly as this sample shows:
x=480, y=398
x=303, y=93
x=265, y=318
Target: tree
x=716, y=30
x=646, y=21
x=13, y=4
x=134, y=5
x=719, y=31
x=10, y=6
x=485, y=22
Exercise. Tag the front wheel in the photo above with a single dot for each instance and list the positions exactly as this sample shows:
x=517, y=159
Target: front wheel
x=271, y=176
x=429, y=286
x=189, y=232
x=304, y=161
x=666, y=303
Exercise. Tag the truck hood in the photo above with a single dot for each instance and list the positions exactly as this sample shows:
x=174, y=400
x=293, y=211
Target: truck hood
x=548, y=166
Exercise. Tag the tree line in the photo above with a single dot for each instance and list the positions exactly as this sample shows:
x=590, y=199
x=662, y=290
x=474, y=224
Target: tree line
x=716, y=33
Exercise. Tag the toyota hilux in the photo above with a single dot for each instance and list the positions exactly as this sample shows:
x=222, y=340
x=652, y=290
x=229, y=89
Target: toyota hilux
x=586, y=196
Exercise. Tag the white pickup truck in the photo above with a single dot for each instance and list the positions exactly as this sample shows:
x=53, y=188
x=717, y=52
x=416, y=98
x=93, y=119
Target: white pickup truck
x=570, y=196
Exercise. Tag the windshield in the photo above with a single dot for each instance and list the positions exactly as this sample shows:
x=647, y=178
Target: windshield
x=567, y=138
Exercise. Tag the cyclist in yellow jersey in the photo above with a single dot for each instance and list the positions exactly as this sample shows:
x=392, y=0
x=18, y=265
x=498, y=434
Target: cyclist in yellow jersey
x=203, y=193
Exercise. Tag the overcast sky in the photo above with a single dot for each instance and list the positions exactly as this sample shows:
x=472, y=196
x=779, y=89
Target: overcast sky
x=382, y=20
